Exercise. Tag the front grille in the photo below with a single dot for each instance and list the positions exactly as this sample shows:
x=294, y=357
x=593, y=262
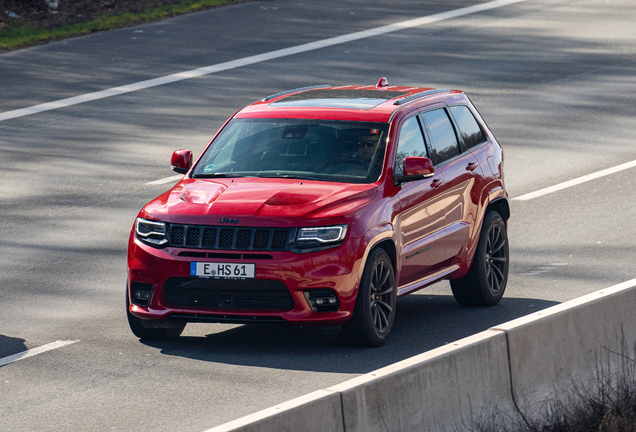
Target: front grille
x=249, y=294
x=212, y=237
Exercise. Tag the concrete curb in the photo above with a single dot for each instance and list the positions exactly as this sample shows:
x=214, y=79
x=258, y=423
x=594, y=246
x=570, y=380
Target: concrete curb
x=523, y=362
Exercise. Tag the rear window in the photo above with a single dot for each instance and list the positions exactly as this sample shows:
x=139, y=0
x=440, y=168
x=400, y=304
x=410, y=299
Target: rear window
x=469, y=129
x=338, y=151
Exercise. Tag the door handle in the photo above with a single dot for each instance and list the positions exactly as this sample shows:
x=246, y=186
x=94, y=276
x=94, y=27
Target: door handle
x=471, y=166
x=436, y=183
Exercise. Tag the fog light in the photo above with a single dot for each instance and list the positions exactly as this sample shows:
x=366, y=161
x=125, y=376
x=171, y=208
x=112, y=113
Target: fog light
x=141, y=293
x=322, y=300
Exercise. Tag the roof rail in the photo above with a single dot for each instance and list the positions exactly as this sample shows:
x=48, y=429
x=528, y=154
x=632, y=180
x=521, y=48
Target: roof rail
x=294, y=91
x=409, y=98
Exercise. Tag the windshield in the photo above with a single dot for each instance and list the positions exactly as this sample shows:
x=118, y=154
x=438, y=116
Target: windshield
x=338, y=151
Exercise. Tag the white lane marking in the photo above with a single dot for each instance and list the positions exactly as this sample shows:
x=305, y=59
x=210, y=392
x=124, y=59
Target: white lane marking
x=166, y=180
x=34, y=351
x=255, y=59
x=576, y=181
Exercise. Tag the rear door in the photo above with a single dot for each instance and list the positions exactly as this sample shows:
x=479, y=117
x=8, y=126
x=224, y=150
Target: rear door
x=463, y=177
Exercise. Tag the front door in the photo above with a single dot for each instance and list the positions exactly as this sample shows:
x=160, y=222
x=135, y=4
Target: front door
x=422, y=211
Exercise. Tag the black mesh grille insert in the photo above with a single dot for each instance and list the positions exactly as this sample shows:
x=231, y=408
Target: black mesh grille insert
x=209, y=237
x=243, y=239
x=251, y=294
x=176, y=235
x=280, y=239
x=261, y=239
x=226, y=238
x=192, y=236
x=227, y=235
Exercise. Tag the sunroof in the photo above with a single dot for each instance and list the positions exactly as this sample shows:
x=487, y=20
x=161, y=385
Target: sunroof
x=355, y=99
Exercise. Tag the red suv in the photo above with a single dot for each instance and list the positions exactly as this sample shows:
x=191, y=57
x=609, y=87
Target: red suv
x=321, y=206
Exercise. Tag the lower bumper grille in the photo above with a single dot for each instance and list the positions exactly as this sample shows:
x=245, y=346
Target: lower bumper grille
x=227, y=319
x=249, y=294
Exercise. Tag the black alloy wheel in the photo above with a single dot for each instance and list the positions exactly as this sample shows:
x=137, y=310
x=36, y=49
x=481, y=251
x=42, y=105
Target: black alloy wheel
x=485, y=283
x=496, y=259
x=380, y=298
x=374, y=312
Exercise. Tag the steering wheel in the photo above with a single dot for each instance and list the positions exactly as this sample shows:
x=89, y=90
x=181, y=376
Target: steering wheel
x=360, y=162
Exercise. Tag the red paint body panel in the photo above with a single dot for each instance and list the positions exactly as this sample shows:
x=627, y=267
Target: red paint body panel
x=429, y=227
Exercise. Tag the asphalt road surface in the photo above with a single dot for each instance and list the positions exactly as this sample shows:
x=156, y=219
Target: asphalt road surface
x=555, y=79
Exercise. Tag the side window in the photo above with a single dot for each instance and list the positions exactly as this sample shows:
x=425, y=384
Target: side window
x=468, y=127
x=444, y=143
x=410, y=143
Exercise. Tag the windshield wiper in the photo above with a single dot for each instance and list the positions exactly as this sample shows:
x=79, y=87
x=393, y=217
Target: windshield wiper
x=290, y=176
x=215, y=175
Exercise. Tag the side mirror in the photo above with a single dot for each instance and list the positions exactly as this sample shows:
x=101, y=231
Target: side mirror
x=415, y=168
x=181, y=161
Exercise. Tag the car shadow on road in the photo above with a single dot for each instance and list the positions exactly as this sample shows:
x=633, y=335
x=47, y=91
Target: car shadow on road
x=423, y=322
x=10, y=345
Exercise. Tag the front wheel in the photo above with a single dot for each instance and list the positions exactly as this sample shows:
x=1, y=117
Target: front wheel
x=485, y=283
x=146, y=329
x=374, y=311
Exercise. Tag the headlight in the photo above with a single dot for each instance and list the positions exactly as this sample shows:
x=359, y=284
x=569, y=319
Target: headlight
x=329, y=234
x=151, y=232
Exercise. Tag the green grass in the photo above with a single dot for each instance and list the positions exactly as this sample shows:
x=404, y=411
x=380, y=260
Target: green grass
x=15, y=35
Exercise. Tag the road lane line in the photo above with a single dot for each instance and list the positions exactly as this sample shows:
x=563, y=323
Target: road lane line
x=166, y=180
x=259, y=58
x=34, y=351
x=576, y=181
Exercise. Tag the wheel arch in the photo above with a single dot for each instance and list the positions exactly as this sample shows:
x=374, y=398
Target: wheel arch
x=501, y=206
x=389, y=248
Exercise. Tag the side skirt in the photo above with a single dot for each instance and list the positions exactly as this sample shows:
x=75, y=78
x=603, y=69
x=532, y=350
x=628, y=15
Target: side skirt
x=426, y=280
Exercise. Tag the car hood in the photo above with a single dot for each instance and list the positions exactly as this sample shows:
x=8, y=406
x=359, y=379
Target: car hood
x=256, y=201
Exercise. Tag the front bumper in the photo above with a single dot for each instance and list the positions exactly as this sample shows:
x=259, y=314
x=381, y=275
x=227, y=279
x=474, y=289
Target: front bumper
x=167, y=270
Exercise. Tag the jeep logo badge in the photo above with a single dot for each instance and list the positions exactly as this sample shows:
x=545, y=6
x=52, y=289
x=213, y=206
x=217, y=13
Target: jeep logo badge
x=228, y=221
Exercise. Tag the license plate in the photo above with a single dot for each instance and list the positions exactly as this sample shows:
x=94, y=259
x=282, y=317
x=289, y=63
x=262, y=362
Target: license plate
x=222, y=270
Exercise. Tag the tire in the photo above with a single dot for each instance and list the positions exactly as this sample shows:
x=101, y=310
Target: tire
x=147, y=329
x=374, y=311
x=485, y=283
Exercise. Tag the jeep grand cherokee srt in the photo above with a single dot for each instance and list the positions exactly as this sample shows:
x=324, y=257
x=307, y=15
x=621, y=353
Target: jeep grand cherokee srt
x=321, y=206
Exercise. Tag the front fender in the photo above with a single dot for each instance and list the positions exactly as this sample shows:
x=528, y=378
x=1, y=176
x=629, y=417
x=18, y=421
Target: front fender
x=372, y=237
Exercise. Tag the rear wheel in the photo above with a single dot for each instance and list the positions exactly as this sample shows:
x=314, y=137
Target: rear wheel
x=374, y=312
x=485, y=283
x=148, y=329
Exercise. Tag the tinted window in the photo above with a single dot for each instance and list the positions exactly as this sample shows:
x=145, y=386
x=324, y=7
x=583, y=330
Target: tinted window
x=410, y=143
x=444, y=142
x=468, y=127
